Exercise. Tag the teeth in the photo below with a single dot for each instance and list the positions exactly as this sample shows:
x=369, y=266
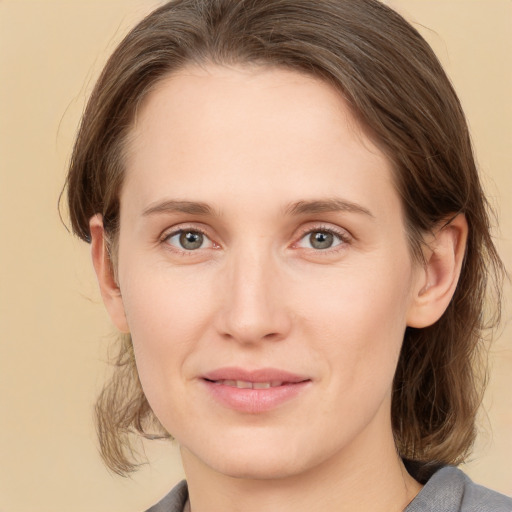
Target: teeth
x=261, y=385
x=242, y=384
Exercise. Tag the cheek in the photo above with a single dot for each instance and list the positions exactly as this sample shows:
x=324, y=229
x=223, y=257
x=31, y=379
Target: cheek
x=359, y=323
x=163, y=303
x=371, y=300
x=167, y=313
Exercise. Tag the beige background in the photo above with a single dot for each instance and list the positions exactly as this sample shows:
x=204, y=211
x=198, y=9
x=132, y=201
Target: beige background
x=54, y=332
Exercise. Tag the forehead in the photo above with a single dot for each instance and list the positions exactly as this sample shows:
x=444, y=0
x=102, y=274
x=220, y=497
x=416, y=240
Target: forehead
x=252, y=130
x=221, y=97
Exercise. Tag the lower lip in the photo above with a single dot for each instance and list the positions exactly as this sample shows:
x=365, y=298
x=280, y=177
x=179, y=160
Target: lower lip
x=255, y=401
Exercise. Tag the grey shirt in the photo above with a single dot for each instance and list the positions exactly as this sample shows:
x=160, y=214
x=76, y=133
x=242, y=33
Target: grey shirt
x=447, y=490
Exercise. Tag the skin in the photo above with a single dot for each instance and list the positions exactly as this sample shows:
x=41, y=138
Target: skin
x=258, y=292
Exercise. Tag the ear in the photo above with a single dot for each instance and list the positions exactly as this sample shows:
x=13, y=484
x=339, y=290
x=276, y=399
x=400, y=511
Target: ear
x=109, y=288
x=444, y=255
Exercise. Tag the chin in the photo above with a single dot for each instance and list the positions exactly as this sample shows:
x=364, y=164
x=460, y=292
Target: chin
x=255, y=459
x=255, y=468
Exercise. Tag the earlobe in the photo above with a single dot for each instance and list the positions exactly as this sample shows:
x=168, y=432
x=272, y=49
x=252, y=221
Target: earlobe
x=109, y=288
x=444, y=256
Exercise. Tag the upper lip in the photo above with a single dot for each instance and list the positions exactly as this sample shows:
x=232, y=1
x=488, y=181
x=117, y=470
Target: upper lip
x=256, y=375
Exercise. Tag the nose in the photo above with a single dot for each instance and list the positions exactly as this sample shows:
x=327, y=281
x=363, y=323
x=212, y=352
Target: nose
x=252, y=299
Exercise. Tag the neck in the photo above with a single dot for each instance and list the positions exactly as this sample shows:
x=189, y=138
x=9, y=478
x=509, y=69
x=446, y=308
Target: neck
x=367, y=475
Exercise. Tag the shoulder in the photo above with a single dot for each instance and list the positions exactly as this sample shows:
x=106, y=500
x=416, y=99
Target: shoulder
x=450, y=490
x=447, y=490
x=477, y=498
x=174, y=501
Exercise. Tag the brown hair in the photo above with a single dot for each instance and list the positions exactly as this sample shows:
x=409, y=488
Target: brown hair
x=399, y=92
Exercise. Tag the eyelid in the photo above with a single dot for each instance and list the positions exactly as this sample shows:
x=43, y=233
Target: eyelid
x=344, y=236
x=169, y=233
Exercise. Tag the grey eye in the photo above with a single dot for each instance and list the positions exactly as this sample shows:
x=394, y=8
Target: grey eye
x=321, y=239
x=191, y=240
x=187, y=240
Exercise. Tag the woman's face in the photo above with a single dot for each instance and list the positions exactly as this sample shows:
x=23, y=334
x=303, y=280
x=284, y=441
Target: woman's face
x=264, y=270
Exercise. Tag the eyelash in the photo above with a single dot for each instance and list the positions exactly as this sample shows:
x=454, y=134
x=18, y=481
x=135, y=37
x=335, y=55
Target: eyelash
x=341, y=235
x=185, y=229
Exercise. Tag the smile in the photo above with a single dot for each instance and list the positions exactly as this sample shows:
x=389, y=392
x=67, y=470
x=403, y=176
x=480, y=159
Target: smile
x=242, y=384
x=254, y=391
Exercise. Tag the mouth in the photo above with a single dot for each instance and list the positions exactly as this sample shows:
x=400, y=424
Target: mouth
x=273, y=376
x=255, y=391
x=243, y=384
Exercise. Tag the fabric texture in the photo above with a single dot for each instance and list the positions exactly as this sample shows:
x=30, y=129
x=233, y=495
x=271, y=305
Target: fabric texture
x=450, y=490
x=174, y=501
x=447, y=490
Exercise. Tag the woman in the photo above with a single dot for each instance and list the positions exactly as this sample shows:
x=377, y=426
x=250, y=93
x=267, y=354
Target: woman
x=287, y=225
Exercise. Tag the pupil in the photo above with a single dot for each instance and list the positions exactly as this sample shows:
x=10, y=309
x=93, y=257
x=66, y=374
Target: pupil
x=191, y=240
x=321, y=240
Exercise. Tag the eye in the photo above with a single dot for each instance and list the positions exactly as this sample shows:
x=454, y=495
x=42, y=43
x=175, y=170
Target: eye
x=321, y=239
x=188, y=240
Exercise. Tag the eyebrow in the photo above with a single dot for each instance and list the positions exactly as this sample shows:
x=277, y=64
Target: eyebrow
x=173, y=206
x=302, y=207
x=326, y=205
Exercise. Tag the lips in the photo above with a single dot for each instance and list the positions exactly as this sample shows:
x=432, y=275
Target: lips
x=242, y=384
x=259, y=375
x=254, y=391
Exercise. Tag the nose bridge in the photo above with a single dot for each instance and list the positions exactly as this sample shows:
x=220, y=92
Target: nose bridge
x=253, y=306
